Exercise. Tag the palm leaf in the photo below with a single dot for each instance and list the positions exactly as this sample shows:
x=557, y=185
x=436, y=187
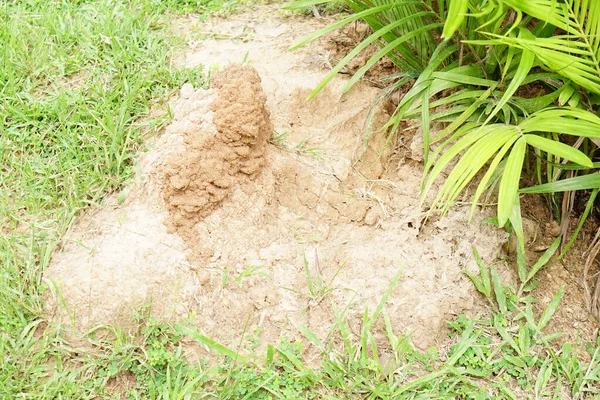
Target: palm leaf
x=491, y=172
x=574, y=55
x=373, y=38
x=337, y=25
x=387, y=50
x=526, y=62
x=473, y=160
x=509, y=183
x=584, y=182
x=413, y=53
x=567, y=120
x=559, y=149
x=456, y=15
x=481, y=144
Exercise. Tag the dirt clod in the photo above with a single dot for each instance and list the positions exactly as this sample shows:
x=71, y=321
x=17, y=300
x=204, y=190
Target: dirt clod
x=201, y=178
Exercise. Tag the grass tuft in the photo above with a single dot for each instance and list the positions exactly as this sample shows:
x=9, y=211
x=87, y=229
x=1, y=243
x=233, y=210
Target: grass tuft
x=77, y=82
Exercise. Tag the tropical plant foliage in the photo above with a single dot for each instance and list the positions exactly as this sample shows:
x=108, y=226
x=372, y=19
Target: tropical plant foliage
x=517, y=83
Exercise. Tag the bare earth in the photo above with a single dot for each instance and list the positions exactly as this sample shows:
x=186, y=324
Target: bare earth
x=220, y=224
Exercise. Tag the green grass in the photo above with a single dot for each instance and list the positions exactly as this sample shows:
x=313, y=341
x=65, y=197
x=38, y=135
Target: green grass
x=77, y=82
x=506, y=356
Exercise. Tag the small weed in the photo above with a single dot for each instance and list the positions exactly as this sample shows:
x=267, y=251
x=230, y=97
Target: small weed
x=279, y=138
x=301, y=148
x=254, y=270
x=317, y=288
x=225, y=278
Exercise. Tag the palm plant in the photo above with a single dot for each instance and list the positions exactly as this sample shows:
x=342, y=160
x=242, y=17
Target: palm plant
x=470, y=62
x=564, y=44
x=486, y=60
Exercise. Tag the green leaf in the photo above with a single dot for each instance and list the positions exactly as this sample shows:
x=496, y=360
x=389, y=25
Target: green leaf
x=491, y=172
x=370, y=320
x=543, y=260
x=466, y=341
x=484, y=273
x=551, y=309
x=426, y=123
x=270, y=355
x=537, y=103
x=559, y=149
x=588, y=207
x=584, y=182
x=509, y=183
x=515, y=361
x=457, y=10
x=543, y=377
x=477, y=282
x=524, y=339
x=472, y=161
x=386, y=295
x=424, y=80
x=507, y=337
x=568, y=91
x=387, y=50
x=461, y=120
x=311, y=336
x=297, y=362
x=569, y=121
x=442, y=162
x=526, y=62
x=464, y=79
x=499, y=291
x=211, y=344
x=552, y=336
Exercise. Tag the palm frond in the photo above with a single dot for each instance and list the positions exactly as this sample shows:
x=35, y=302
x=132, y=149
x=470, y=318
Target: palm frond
x=479, y=145
x=414, y=52
x=575, y=54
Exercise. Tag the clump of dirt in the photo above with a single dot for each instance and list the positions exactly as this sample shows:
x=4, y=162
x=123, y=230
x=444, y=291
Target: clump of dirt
x=202, y=177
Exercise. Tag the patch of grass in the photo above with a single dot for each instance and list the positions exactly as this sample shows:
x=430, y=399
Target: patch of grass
x=78, y=81
x=506, y=356
x=150, y=365
x=203, y=7
x=317, y=289
x=332, y=7
x=280, y=140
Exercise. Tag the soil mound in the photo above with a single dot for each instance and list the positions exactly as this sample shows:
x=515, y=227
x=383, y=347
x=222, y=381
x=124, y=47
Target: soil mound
x=266, y=237
x=263, y=238
x=199, y=179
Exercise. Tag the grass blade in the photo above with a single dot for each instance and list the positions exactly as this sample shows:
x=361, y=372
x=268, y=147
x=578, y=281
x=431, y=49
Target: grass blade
x=499, y=291
x=543, y=260
x=551, y=309
x=211, y=344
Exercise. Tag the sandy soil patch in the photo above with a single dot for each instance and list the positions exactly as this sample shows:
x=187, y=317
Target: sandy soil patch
x=222, y=225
